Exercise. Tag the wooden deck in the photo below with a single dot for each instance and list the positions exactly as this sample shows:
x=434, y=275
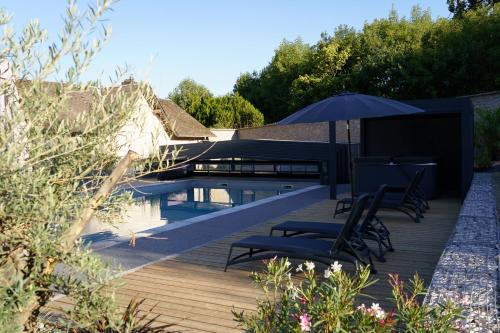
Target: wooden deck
x=193, y=293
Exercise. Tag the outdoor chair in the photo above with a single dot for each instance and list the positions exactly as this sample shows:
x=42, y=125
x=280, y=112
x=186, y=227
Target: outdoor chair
x=411, y=196
x=408, y=200
x=371, y=228
x=346, y=247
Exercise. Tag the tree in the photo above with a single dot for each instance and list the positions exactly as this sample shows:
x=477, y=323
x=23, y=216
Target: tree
x=229, y=111
x=233, y=111
x=396, y=57
x=459, y=7
x=189, y=94
x=386, y=53
x=246, y=114
x=56, y=174
x=323, y=77
x=269, y=89
x=460, y=57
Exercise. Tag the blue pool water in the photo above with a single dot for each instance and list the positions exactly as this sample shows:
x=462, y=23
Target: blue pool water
x=158, y=205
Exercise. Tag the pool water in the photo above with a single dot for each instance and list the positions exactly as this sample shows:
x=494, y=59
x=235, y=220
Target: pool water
x=158, y=205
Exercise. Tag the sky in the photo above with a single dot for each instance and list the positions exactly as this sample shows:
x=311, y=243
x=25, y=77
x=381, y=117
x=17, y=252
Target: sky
x=210, y=41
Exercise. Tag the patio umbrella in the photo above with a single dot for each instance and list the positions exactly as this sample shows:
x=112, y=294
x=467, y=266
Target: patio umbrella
x=347, y=106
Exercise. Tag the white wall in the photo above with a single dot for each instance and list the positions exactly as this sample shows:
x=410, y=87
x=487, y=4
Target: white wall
x=223, y=134
x=143, y=133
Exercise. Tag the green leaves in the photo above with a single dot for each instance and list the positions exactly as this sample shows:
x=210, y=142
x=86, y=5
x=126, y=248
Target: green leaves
x=397, y=57
x=229, y=111
x=487, y=137
x=58, y=144
x=460, y=7
x=331, y=304
x=189, y=95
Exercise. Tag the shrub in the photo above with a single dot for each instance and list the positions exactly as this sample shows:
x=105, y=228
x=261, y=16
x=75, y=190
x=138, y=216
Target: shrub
x=487, y=136
x=233, y=111
x=482, y=160
x=330, y=304
x=228, y=111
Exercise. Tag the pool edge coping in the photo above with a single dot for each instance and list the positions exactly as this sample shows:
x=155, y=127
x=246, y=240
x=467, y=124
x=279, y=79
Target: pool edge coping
x=197, y=219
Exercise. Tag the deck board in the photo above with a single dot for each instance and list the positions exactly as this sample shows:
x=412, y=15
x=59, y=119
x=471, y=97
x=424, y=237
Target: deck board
x=193, y=293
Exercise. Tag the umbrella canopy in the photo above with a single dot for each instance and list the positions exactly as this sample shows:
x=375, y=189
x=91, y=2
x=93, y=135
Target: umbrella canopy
x=347, y=106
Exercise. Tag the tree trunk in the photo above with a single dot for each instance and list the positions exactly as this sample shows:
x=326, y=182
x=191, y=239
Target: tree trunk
x=27, y=317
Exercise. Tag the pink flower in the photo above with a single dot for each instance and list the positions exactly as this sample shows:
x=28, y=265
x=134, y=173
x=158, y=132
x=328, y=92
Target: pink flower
x=376, y=311
x=361, y=308
x=305, y=323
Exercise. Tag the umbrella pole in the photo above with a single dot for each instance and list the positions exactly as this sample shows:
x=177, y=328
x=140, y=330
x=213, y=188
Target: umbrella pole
x=332, y=160
x=349, y=156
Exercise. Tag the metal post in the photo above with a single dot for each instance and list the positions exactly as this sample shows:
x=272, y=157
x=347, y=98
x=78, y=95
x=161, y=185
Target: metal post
x=332, y=160
x=349, y=156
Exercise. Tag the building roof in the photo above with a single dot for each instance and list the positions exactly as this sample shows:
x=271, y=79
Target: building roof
x=175, y=120
x=178, y=122
x=77, y=101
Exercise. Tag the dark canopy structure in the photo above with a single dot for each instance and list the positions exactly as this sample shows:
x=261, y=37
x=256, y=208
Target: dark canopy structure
x=269, y=150
x=256, y=150
x=348, y=106
x=444, y=132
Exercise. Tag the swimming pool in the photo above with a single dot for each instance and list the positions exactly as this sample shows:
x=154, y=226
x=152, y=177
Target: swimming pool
x=162, y=204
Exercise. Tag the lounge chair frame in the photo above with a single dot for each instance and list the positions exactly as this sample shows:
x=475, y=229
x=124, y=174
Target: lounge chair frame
x=410, y=203
x=372, y=228
x=347, y=247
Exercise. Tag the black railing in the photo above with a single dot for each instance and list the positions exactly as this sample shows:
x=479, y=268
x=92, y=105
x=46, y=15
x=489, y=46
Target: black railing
x=278, y=159
x=237, y=167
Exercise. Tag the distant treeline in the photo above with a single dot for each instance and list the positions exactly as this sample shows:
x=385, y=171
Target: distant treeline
x=397, y=57
x=229, y=111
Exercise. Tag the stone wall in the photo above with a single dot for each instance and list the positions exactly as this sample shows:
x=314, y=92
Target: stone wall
x=315, y=132
x=468, y=268
x=486, y=101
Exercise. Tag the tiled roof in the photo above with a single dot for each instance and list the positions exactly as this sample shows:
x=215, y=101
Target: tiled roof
x=178, y=122
x=175, y=120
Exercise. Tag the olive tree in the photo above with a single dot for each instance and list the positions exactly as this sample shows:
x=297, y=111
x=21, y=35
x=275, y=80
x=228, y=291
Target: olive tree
x=56, y=172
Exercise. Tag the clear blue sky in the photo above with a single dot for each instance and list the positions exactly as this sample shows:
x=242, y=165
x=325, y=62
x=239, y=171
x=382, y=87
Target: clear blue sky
x=210, y=41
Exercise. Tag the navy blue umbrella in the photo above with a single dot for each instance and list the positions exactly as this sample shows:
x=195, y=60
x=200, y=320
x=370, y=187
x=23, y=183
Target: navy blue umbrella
x=347, y=106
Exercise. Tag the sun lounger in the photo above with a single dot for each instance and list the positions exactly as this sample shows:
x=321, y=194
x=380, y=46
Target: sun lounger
x=404, y=200
x=371, y=228
x=346, y=247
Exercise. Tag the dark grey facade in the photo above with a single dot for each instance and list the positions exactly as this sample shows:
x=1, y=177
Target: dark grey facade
x=444, y=132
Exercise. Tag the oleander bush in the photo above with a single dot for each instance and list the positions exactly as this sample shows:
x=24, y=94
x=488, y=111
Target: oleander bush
x=330, y=303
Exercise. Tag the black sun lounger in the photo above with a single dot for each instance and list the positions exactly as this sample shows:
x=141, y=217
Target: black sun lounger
x=371, y=228
x=405, y=201
x=346, y=247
